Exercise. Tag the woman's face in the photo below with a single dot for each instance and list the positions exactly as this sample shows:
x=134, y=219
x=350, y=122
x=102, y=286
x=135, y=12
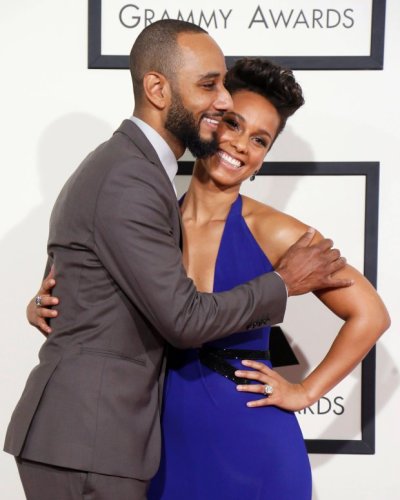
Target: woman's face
x=245, y=136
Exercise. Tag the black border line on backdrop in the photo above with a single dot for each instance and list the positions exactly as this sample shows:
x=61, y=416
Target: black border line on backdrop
x=369, y=170
x=96, y=60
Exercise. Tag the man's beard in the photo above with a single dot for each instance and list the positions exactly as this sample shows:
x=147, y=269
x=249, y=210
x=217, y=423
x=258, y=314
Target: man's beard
x=181, y=123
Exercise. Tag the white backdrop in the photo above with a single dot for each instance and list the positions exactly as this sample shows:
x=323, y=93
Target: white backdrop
x=344, y=30
x=54, y=110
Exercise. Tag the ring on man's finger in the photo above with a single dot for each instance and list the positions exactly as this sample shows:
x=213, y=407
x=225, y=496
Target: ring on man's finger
x=268, y=389
x=38, y=301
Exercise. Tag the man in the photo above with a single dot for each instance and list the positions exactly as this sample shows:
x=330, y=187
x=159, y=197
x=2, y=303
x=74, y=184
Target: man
x=87, y=424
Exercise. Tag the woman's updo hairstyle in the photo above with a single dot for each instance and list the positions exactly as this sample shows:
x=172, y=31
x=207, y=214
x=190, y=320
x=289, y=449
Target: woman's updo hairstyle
x=263, y=77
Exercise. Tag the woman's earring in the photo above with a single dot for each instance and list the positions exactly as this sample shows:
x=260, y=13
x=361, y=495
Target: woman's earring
x=254, y=175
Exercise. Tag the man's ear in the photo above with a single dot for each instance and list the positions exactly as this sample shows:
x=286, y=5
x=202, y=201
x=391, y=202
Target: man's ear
x=157, y=89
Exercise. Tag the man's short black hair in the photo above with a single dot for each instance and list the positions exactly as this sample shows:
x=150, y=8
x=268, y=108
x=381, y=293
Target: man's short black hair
x=156, y=49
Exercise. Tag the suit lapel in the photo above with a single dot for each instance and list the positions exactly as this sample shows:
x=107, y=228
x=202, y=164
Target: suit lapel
x=133, y=132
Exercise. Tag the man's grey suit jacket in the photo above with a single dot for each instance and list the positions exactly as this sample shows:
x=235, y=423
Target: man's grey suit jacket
x=93, y=401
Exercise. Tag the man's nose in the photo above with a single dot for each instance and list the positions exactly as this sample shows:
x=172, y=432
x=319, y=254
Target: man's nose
x=224, y=100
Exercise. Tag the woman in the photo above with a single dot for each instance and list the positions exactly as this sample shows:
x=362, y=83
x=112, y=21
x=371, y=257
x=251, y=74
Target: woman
x=215, y=445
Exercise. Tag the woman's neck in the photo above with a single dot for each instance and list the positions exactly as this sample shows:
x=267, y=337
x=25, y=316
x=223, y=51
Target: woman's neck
x=205, y=201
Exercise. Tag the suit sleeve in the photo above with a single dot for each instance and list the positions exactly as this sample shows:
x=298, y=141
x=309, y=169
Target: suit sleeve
x=47, y=268
x=134, y=240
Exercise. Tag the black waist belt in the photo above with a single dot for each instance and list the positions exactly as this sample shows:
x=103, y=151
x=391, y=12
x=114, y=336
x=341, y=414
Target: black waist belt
x=215, y=359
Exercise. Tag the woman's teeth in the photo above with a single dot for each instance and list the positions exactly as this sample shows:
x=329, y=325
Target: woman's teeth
x=229, y=159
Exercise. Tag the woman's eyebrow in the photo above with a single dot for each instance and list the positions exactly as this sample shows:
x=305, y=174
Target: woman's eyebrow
x=242, y=118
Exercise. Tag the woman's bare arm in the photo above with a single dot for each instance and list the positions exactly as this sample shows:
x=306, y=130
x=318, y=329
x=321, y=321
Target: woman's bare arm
x=365, y=319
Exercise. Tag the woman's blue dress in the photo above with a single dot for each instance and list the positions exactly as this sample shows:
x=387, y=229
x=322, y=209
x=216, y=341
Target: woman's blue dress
x=214, y=446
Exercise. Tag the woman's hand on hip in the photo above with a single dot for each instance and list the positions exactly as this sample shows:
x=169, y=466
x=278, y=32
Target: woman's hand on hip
x=277, y=390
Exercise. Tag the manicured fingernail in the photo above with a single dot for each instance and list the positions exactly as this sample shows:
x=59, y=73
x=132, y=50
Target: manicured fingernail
x=245, y=362
x=249, y=404
x=240, y=387
x=238, y=373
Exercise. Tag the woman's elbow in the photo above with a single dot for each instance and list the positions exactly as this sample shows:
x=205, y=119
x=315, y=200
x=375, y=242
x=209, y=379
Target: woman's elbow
x=380, y=322
x=386, y=322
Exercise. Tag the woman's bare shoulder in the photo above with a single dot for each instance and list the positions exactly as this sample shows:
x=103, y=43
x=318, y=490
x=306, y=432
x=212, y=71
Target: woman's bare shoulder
x=274, y=230
x=263, y=216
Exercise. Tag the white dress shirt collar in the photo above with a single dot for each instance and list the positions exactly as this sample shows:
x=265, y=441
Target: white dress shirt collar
x=163, y=151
